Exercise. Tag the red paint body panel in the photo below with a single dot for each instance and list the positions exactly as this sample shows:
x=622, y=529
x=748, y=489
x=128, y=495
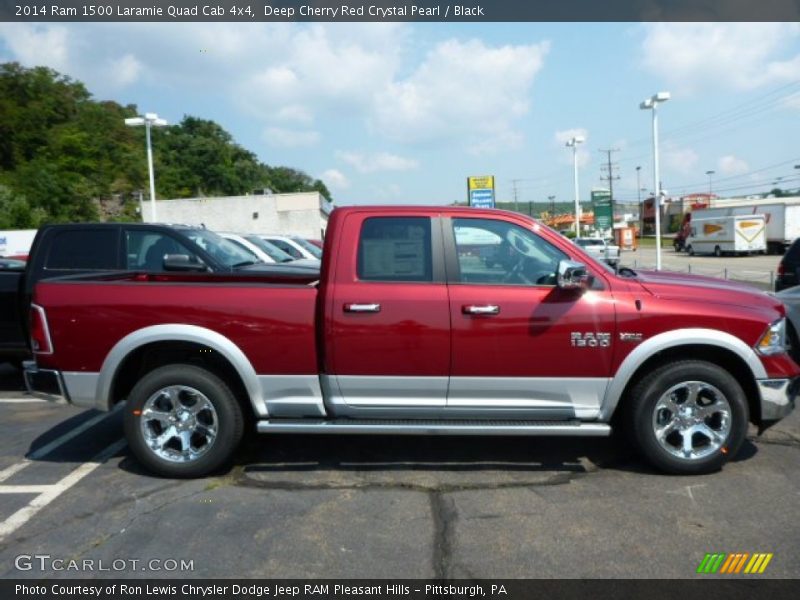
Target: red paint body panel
x=420, y=330
x=273, y=325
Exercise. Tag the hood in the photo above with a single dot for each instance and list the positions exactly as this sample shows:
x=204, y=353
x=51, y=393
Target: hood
x=700, y=288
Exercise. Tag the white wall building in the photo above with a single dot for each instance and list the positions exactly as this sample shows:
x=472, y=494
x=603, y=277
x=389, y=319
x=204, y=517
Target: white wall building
x=303, y=214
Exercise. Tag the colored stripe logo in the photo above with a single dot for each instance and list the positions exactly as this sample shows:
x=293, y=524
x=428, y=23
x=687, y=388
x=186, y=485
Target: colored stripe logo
x=735, y=563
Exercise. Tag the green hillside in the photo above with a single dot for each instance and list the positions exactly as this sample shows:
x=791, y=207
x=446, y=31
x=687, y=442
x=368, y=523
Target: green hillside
x=65, y=156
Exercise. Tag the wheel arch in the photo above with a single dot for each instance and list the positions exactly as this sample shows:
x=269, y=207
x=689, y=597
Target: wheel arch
x=179, y=341
x=710, y=345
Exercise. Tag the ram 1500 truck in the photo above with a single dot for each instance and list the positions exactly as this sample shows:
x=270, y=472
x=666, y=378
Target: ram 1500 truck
x=408, y=330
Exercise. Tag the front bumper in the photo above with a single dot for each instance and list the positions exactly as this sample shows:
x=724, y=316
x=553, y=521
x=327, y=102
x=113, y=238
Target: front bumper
x=44, y=383
x=778, y=397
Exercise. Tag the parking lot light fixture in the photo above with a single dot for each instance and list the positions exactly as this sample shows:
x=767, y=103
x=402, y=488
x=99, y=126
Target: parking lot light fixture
x=652, y=104
x=149, y=120
x=573, y=143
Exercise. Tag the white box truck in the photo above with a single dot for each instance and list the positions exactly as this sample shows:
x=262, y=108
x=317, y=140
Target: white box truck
x=16, y=243
x=734, y=234
x=782, y=220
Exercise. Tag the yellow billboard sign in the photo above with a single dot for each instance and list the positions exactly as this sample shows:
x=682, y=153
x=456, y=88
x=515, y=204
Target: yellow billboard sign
x=480, y=191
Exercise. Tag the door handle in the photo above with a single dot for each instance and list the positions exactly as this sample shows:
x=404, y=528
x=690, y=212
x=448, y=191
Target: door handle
x=362, y=308
x=485, y=309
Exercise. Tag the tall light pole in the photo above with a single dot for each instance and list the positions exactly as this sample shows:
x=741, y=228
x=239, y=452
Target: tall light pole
x=149, y=120
x=573, y=143
x=710, y=175
x=639, y=199
x=652, y=103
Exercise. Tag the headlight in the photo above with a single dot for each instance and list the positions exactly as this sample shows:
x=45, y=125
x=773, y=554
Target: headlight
x=774, y=339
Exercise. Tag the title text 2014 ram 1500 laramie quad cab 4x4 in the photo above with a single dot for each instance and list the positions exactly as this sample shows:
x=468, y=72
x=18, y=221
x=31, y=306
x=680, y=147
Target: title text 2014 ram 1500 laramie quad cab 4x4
x=410, y=331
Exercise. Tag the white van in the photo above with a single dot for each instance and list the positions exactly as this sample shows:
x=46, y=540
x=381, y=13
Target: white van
x=736, y=234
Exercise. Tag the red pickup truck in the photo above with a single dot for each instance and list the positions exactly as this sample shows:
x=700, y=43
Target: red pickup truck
x=423, y=320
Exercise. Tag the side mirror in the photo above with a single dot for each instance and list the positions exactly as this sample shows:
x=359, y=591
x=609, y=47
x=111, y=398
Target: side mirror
x=183, y=262
x=572, y=275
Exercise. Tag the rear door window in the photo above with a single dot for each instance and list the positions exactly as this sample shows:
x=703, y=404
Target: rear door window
x=395, y=249
x=84, y=250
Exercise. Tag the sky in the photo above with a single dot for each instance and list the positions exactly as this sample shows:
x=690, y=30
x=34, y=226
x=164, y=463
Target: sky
x=388, y=113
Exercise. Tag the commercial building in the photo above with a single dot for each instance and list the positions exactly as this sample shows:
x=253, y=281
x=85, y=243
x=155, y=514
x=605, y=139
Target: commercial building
x=304, y=214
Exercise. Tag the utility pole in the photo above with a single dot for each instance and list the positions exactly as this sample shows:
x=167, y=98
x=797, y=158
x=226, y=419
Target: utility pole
x=514, y=185
x=608, y=169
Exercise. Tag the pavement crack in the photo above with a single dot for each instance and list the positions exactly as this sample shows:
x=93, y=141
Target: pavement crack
x=445, y=514
x=245, y=479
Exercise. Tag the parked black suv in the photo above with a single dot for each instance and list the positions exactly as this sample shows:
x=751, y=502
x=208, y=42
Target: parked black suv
x=789, y=268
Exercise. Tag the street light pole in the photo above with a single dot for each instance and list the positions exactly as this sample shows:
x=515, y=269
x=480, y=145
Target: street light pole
x=710, y=174
x=149, y=120
x=573, y=143
x=639, y=199
x=652, y=104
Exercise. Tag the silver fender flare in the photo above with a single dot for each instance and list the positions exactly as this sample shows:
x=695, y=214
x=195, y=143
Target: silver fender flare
x=178, y=333
x=671, y=339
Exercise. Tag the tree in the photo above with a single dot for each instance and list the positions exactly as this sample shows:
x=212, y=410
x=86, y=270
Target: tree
x=63, y=155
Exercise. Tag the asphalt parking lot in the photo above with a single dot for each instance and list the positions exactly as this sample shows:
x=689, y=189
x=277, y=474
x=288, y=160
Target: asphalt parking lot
x=302, y=506
x=758, y=269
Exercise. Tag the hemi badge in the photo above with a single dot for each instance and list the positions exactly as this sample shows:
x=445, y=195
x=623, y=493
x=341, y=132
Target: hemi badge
x=630, y=337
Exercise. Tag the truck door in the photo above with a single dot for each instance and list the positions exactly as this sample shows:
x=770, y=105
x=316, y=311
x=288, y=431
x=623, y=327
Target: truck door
x=388, y=323
x=522, y=347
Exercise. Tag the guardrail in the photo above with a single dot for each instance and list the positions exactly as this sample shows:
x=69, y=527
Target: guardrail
x=760, y=278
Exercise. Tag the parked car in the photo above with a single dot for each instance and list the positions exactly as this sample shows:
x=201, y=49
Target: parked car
x=12, y=264
x=295, y=246
x=599, y=248
x=267, y=252
x=318, y=243
x=791, y=300
x=72, y=249
x=407, y=331
x=789, y=268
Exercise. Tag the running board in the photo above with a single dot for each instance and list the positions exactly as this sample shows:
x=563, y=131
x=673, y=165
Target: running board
x=433, y=427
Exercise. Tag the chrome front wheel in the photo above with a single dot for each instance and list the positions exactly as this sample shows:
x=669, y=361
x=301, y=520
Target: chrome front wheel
x=692, y=420
x=687, y=417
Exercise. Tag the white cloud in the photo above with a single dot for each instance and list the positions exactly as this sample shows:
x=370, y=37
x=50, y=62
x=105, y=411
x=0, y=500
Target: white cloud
x=288, y=76
x=34, y=44
x=464, y=91
x=730, y=165
x=792, y=101
x=290, y=138
x=679, y=159
x=742, y=56
x=125, y=70
x=382, y=161
x=563, y=136
x=335, y=180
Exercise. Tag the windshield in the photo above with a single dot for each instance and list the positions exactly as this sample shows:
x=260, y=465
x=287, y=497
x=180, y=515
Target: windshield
x=314, y=250
x=270, y=250
x=225, y=251
x=590, y=242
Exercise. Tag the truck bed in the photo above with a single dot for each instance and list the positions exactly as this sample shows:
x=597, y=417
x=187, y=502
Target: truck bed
x=269, y=316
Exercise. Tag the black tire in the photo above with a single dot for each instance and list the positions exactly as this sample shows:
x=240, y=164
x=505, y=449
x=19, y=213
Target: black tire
x=229, y=420
x=641, y=409
x=690, y=250
x=717, y=251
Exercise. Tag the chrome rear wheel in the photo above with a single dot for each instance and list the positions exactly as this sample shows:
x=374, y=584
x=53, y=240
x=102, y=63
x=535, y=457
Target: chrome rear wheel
x=179, y=423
